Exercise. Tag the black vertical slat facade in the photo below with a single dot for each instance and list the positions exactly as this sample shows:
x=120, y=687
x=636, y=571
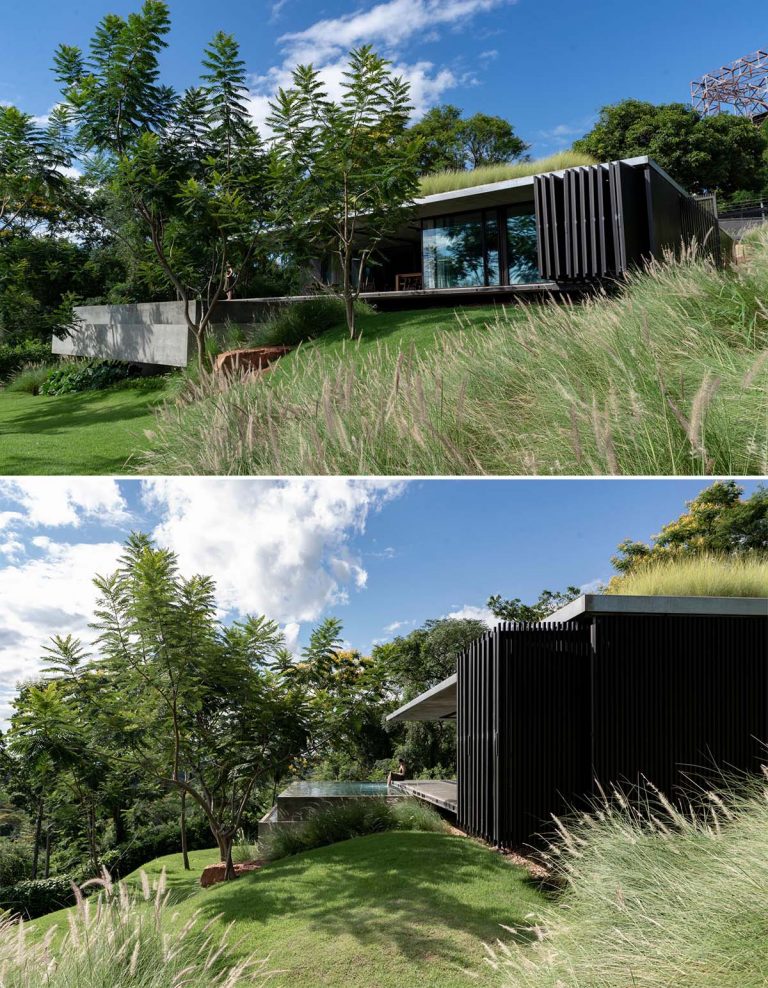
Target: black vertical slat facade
x=549, y=713
x=599, y=221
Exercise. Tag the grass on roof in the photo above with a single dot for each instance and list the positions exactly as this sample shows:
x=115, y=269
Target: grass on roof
x=451, y=180
x=697, y=576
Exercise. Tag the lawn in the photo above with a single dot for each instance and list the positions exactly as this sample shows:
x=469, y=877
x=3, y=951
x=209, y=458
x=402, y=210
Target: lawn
x=389, y=910
x=421, y=329
x=91, y=433
x=104, y=432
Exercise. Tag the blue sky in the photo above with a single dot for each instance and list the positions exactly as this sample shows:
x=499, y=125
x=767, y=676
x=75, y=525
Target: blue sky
x=547, y=65
x=382, y=555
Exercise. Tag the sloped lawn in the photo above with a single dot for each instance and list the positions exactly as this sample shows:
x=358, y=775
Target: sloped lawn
x=388, y=910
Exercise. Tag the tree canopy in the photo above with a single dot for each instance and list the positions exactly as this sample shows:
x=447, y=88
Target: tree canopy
x=719, y=520
x=447, y=141
x=723, y=153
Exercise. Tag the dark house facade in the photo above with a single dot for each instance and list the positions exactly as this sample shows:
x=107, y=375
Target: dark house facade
x=611, y=691
x=556, y=231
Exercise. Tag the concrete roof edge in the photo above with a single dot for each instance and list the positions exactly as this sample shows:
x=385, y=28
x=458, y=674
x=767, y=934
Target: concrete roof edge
x=631, y=604
x=445, y=684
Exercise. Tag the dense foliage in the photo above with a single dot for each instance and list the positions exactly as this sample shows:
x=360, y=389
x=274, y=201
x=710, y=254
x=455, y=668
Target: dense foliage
x=723, y=153
x=449, y=142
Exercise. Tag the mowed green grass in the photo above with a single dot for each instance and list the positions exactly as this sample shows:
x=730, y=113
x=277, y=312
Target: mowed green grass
x=92, y=433
x=388, y=910
x=420, y=329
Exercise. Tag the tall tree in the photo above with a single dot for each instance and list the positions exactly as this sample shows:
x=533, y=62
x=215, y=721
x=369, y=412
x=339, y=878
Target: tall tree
x=719, y=520
x=705, y=154
x=448, y=142
x=191, y=167
x=33, y=163
x=195, y=704
x=515, y=610
x=347, y=169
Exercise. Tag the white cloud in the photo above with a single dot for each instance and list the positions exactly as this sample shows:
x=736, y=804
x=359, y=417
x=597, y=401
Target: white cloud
x=470, y=612
x=45, y=596
x=279, y=548
x=593, y=586
x=396, y=625
x=58, y=501
x=389, y=26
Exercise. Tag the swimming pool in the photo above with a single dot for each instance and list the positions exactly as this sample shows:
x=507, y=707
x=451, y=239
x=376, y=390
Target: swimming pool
x=302, y=798
x=329, y=790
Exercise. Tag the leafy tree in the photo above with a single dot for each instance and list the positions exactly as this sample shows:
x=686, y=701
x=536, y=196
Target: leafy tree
x=347, y=170
x=515, y=610
x=33, y=181
x=718, y=520
x=447, y=141
x=190, y=168
x=415, y=662
x=207, y=716
x=704, y=154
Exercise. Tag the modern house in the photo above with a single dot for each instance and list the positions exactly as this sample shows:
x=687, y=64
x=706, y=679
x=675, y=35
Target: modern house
x=610, y=691
x=555, y=232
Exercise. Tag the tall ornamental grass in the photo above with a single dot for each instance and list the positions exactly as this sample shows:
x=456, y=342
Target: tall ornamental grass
x=119, y=938
x=655, y=899
x=696, y=576
x=669, y=376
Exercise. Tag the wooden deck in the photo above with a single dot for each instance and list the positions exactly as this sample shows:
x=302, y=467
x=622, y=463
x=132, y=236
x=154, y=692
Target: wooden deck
x=439, y=793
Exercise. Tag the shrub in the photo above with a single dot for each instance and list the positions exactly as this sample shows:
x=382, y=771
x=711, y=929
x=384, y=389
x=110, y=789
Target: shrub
x=668, y=377
x=355, y=818
x=72, y=378
x=36, y=897
x=154, y=842
x=29, y=379
x=699, y=575
x=126, y=939
x=655, y=900
x=15, y=861
x=298, y=321
x=17, y=355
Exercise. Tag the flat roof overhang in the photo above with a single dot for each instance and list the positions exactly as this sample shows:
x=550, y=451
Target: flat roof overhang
x=594, y=604
x=439, y=703
x=508, y=191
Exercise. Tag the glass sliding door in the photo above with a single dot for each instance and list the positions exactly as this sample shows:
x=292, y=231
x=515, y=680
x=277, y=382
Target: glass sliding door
x=452, y=248
x=522, y=256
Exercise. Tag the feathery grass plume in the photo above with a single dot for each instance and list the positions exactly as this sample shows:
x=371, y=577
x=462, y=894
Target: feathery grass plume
x=124, y=939
x=666, y=376
x=657, y=898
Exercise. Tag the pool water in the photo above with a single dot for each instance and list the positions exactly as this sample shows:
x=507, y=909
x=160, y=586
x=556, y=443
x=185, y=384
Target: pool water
x=327, y=790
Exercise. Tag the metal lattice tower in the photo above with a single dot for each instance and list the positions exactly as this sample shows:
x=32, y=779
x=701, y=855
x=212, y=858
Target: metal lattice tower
x=742, y=86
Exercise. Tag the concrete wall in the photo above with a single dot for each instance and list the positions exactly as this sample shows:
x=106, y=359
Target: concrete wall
x=152, y=332
x=146, y=333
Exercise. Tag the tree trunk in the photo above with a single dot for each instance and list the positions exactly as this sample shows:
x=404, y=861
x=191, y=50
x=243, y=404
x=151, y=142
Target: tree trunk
x=119, y=824
x=47, y=854
x=349, y=297
x=200, y=338
x=38, y=831
x=183, y=827
x=92, y=837
x=224, y=839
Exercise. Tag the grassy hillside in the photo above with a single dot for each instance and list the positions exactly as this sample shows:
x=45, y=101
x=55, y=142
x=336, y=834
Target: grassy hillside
x=667, y=902
x=388, y=910
x=669, y=376
x=96, y=432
